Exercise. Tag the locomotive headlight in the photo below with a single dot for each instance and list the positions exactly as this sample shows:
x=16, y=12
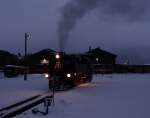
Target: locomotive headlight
x=57, y=56
x=68, y=75
x=46, y=75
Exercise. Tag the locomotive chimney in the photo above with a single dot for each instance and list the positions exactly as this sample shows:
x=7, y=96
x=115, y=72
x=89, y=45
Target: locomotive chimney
x=90, y=48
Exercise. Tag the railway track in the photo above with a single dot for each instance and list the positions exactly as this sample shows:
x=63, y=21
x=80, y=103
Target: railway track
x=22, y=106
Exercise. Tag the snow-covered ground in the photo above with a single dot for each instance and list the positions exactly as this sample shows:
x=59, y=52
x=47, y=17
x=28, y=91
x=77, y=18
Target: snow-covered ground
x=13, y=90
x=107, y=96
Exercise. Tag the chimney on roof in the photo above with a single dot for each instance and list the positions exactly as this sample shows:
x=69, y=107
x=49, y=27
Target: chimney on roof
x=90, y=48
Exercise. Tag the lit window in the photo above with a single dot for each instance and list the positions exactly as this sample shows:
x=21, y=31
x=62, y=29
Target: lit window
x=97, y=59
x=44, y=61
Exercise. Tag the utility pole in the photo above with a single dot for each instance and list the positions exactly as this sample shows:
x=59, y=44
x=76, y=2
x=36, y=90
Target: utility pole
x=25, y=49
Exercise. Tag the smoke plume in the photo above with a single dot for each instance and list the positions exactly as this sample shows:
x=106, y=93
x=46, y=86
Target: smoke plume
x=74, y=10
x=71, y=13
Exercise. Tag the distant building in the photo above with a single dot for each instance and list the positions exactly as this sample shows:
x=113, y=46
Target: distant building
x=38, y=62
x=99, y=56
x=7, y=58
x=40, y=57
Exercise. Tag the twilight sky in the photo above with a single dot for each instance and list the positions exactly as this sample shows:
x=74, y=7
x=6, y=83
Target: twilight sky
x=119, y=26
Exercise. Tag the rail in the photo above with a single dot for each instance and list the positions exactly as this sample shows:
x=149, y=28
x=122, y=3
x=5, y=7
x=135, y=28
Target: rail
x=22, y=106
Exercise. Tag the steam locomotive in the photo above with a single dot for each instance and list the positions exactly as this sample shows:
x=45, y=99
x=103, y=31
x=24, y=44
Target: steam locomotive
x=68, y=71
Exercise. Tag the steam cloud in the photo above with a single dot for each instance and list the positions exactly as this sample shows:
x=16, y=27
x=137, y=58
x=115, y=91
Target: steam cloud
x=74, y=10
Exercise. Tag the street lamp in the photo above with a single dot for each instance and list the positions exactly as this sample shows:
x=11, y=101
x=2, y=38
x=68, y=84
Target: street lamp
x=27, y=36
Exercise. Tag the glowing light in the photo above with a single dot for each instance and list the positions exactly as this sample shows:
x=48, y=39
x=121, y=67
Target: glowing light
x=87, y=85
x=68, y=75
x=75, y=74
x=57, y=56
x=44, y=61
x=97, y=59
x=46, y=75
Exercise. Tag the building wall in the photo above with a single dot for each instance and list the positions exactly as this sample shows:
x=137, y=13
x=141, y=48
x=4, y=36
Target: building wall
x=102, y=59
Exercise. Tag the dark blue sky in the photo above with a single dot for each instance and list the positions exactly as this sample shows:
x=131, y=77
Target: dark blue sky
x=119, y=26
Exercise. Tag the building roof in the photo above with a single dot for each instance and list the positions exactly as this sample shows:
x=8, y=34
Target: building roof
x=99, y=51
